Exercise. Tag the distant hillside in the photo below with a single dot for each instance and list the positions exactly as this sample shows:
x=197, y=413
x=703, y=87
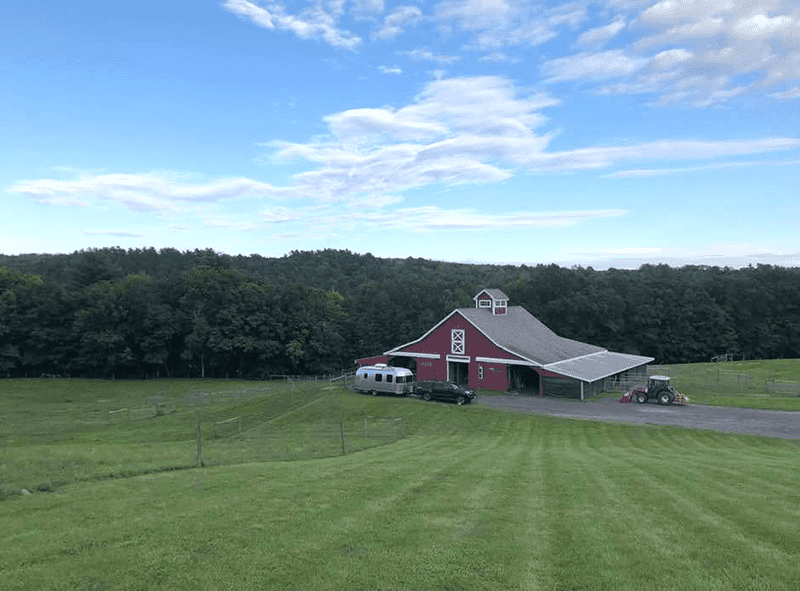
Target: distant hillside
x=165, y=312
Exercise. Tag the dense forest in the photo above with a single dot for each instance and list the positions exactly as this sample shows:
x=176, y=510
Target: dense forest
x=146, y=313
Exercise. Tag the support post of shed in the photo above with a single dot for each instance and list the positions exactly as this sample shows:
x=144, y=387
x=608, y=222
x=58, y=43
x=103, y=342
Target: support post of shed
x=581, y=389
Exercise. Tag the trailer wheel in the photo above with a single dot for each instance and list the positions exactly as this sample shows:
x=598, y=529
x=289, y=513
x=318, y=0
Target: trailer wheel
x=641, y=398
x=460, y=400
x=665, y=398
x=373, y=392
x=426, y=396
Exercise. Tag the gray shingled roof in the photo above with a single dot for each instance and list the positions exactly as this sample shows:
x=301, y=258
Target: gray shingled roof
x=598, y=366
x=519, y=332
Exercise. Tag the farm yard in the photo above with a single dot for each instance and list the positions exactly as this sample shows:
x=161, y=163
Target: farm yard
x=311, y=486
x=769, y=385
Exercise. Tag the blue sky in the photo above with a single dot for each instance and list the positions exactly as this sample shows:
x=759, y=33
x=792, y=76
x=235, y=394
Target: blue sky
x=608, y=133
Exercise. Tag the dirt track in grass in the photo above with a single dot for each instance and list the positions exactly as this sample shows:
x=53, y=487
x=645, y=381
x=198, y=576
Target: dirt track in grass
x=748, y=421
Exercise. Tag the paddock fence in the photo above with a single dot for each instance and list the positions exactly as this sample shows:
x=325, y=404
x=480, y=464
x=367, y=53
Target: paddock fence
x=722, y=380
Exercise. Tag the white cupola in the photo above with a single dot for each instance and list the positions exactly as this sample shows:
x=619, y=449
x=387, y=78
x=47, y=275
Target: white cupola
x=492, y=300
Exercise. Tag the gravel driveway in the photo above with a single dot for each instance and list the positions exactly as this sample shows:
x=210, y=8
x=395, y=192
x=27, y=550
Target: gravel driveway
x=771, y=423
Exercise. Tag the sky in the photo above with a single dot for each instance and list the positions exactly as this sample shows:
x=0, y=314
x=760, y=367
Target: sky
x=603, y=133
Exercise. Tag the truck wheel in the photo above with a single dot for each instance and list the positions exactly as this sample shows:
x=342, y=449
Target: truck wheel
x=460, y=400
x=665, y=398
x=426, y=396
x=641, y=398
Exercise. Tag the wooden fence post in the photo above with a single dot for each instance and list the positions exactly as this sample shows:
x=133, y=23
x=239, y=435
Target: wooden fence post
x=199, y=441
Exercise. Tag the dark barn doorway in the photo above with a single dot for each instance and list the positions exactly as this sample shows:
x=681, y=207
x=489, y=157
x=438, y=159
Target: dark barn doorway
x=523, y=379
x=407, y=362
x=458, y=372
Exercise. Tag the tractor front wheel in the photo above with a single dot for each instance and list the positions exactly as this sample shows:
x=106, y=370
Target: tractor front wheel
x=641, y=398
x=665, y=398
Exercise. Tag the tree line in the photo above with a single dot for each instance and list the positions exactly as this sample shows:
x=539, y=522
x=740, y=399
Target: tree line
x=146, y=313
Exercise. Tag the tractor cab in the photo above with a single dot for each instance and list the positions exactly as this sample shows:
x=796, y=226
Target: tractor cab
x=658, y=388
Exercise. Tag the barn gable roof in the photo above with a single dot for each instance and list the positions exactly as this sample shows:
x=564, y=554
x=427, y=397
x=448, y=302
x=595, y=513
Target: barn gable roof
x=518, y=332
x=521, y=333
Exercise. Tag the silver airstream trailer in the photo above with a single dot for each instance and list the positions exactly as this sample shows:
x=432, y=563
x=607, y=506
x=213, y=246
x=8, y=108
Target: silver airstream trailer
x=384, y=379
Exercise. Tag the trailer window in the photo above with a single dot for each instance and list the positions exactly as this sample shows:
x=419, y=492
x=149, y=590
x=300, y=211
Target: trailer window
x=401, y=379
x=378, y=377
x=388, y=378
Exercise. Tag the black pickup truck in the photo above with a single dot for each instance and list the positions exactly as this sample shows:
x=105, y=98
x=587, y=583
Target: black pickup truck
x=430, y=389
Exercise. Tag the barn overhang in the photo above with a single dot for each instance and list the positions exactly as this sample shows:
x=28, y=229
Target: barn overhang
x=506, y=361
x=597, y=366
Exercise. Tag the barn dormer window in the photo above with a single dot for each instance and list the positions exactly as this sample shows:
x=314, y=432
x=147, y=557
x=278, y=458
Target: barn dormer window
x=487, y=303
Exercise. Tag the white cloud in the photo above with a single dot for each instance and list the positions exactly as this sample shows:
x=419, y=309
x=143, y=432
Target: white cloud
x=592, y=66
x=456, y=131
x=115, y=233
x=601, y=157
x=429, y=218
x=388, y=70
x=602, y=35
x=313, y=23
x=395, y=22
x=726, y=40
x=760, y=25
x=666, y=60
x=146, y=192
x=424, y=54
x=792, y=93
x=499, y=23
x=361, y=7
x=279, y=215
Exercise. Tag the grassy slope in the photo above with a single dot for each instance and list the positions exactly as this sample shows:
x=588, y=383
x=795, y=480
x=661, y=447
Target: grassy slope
x=471, y=499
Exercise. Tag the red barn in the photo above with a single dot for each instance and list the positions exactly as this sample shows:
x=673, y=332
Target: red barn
x=495, y=346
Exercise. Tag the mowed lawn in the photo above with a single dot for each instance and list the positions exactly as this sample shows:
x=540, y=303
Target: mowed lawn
x=468, y=498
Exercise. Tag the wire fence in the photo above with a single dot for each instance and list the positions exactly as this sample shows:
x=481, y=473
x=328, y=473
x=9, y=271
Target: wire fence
x=267, y=442
x=713, y=379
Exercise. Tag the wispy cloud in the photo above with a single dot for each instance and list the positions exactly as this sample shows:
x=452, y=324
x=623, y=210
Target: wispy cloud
x=427, y=55
x=313, y=23
x=498, y=23
x=601, y=35
x=388, y=70
x=790, y=94
x=397, y=21
x=457, y=131
x=142, y=192
x=656, y=172
x=115, y=233
x=592, y=66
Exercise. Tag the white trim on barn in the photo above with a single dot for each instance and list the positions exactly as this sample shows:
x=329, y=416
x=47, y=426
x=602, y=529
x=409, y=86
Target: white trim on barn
x=506, y=361
x=459, y=358
x=412, y=354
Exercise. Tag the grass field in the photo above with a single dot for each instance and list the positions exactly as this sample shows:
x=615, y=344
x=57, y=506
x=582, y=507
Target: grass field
x=746, y=384
x=426, y=496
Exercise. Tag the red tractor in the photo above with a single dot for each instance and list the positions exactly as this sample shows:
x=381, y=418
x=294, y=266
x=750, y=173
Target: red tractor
x=658, y=388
